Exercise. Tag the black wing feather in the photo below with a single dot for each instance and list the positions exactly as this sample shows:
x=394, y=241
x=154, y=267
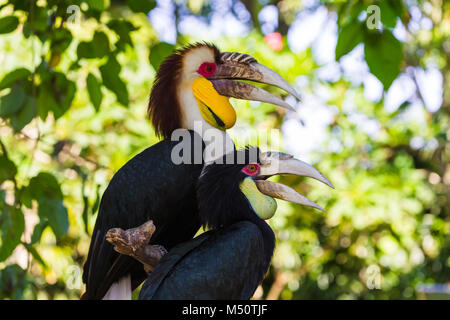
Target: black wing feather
x=148, y=187
x=220, y=264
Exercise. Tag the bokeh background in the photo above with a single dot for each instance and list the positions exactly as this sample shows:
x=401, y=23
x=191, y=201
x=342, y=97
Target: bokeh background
x=75, y=81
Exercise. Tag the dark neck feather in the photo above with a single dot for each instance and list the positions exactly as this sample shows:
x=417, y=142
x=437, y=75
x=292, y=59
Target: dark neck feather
x=164, y=108
x=222, y=203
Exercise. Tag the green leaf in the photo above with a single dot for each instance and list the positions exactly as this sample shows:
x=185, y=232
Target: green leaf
x=49, y=92
x=141, y=5
x=100, y=44
x=8, y=24
x=39, y=25
x=61, y=39
x=13, y=77
x=349, y=37
x=25, y=115
x=349, y=11
x=110, y=75
x=159, y=52
x=122, y=28
x=54, y=211
x=84, y=50
x=98, y=5
x=398, y=7
x=384, y=56
x=8, y=169
x=97, y=48
x=36, y=255
x=45, y=185
x=62, y=91
x=13, y=282
x=11, y=229
x=25, y=197
x=45, y=188
x=94, y=90
x=45, y=101
x=12, y=102
x=37, y=232
x=387, y=14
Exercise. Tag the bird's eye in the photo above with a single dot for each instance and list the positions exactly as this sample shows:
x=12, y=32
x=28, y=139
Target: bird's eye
x=207, y=69
x=251, y=169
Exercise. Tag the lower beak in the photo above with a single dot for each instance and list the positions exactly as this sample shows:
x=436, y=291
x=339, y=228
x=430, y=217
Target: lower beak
x=274, y=163
x=239, y=66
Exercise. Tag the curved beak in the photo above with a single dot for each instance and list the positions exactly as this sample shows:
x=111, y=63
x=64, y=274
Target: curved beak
x=274, y=163
x=239, y=66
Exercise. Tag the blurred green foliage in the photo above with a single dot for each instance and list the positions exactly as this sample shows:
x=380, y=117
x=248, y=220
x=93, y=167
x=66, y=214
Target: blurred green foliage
x=75, y=79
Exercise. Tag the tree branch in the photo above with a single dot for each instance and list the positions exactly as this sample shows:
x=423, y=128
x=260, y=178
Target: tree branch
x=134, y=243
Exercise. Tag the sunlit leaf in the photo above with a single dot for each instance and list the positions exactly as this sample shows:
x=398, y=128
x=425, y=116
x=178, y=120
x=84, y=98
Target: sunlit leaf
x=349, y=37
x=25, y=115
x=31, y=249
x=64, y=94
x=12, y=102
x=159, y=52
x=61, y=39
x=122, y=28
x=13, y=282
x=388, y=16
x=12, y=225
x=8, y=24
x=39, y=24
x=54, y=211
x=94, y=90
x=45, y=185
x=25, y=197
x=384, y=56
x=37, y=232
x=141, y=5
x=98, y=5
x=7, y=169
x=13, y=77
x=110, y=75
x=97, y=48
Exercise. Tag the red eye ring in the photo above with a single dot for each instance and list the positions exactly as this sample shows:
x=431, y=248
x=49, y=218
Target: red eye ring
x=251, y=169
x=207, y=69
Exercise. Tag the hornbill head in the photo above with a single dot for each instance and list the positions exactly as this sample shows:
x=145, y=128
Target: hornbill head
x=228, y=193
x=196, y=82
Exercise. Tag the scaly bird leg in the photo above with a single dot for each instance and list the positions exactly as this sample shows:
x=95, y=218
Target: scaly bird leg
x=134, y=243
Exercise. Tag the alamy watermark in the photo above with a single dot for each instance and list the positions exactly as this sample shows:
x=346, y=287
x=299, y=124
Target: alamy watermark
x=213, y=145
x=74, y=13
x=373, y=17
x=74, y=281
x=373, y=274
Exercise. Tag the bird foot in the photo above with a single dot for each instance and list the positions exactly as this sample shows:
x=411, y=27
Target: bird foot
x=134, y=243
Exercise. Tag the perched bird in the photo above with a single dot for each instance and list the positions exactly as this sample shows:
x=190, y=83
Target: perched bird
x=190, y=91
x=230, y=260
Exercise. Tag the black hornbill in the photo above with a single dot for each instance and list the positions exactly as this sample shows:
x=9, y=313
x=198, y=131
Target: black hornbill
x=229, y=261
x=191, y=87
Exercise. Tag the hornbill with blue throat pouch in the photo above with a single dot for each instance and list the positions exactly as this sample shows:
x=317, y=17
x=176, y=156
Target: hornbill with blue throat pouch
x=191, y=86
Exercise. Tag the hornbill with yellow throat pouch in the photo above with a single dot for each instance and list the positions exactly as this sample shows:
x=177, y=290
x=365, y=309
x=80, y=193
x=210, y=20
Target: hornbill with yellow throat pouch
x=192, y=87
x=230, y=260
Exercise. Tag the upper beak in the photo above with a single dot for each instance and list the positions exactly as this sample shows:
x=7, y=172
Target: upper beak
x=240, y=66
x=273, y=163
